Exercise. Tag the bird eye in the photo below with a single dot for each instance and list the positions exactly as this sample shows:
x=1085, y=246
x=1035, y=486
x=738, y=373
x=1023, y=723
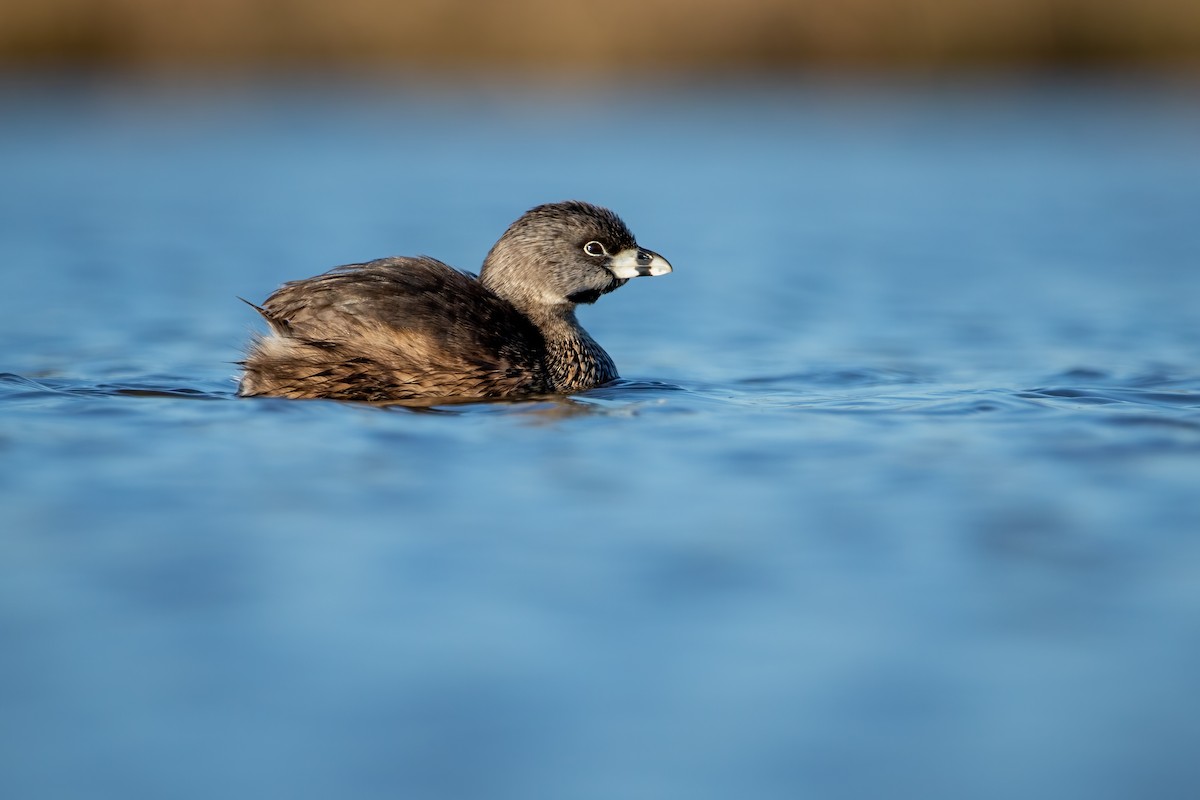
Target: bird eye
x=594, y=249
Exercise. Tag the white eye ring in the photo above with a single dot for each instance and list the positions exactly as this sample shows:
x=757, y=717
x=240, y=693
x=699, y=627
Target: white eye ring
x=594, y=249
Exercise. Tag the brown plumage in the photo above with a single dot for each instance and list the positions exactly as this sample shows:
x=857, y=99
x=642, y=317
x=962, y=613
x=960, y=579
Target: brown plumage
x=417, y=330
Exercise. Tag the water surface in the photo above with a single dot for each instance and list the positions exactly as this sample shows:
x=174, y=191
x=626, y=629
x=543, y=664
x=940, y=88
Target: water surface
x=899, y=495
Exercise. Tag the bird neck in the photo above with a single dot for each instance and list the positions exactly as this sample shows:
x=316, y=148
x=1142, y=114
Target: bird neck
x=573, y=358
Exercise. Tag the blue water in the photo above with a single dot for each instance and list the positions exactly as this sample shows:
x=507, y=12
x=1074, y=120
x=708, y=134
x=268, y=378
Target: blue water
x=900, y=496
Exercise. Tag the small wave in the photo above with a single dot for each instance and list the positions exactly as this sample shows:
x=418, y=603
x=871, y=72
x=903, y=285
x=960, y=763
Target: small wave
x=837, y=377
x=14, y=387
x=1112, y=395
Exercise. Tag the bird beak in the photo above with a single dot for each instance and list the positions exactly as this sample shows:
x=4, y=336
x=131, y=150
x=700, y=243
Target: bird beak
x=638, y=262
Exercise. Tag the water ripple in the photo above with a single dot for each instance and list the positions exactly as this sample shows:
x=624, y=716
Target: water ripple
x=13, y=387
x=854, y=391
x=1109, y=395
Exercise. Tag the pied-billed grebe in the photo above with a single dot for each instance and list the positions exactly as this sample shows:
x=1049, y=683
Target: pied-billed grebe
x=415, y=329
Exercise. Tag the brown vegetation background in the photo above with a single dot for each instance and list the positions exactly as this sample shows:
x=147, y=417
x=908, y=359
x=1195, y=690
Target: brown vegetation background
x=598, y=36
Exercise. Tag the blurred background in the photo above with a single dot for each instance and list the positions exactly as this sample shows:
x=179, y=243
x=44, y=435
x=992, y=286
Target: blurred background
x=899, y=500
x=614, y=36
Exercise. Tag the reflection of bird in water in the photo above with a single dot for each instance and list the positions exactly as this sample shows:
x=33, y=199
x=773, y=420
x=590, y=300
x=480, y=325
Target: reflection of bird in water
x=415, y=329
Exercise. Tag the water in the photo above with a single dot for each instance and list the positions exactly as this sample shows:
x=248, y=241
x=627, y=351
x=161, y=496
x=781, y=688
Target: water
x=900, y=495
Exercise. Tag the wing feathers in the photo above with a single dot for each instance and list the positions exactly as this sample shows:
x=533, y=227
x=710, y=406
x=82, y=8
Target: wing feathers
x=397, y=328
